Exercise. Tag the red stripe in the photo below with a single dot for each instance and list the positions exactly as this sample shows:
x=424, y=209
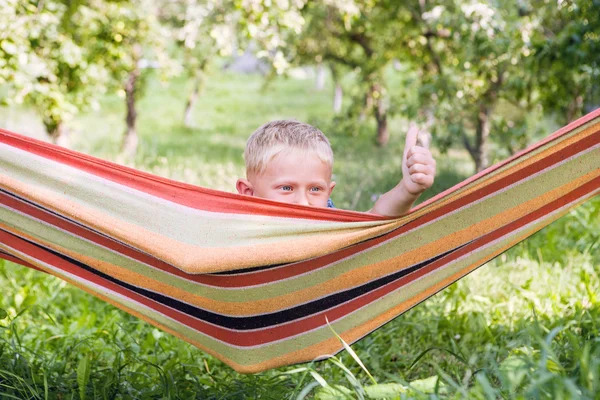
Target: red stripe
x=318, y=320
x=101, y=240
x=16, y=260
x=267, y=335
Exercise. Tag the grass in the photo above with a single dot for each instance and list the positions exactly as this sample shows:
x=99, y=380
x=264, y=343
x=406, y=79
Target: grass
x=526, y=325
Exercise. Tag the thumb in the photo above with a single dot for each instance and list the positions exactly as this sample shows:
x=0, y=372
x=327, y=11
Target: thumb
x=411, y=138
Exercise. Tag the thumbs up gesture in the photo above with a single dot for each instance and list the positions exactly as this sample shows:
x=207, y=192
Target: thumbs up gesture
x=418, y=165
x=418, y=172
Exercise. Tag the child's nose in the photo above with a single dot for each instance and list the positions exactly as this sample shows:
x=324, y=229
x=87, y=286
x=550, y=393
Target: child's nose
x=302, y=198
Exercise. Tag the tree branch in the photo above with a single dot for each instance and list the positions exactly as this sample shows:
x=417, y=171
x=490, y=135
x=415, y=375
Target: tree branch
x=468, y=145
x=428, y=34
x=341, y=60
x=363, y=41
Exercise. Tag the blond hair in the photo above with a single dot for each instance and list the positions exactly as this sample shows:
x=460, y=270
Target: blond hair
x=277, y=136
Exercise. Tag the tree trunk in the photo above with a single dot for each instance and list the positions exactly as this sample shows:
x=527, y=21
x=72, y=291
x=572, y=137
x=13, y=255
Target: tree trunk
x=482, y=132
x=383, y=133
x=368, y=105
x=592, y=98
x=130, y=140
x=479, y=152
x=575, y=108
x=338, y=91
x=337, y=98
x=320, y=82
x=58, y=133
x=193, y=97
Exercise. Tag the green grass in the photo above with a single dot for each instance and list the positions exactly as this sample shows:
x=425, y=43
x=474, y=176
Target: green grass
x=526, y=325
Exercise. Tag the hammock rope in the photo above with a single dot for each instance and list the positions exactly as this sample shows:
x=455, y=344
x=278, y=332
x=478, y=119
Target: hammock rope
x=253, y=282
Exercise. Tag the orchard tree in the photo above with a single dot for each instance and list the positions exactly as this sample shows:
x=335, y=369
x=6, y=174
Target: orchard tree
x=473, y=56
x=202, y=30
x=47, y=62
x=318, y=44
x=363, y=36
x=358, y=35
x=133, y=42
x=270, y=25
x=21, y=68
x=60, y=56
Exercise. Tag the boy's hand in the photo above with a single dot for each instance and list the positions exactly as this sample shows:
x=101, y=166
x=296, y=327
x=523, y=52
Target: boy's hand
x=418, y=171
x=418, y=165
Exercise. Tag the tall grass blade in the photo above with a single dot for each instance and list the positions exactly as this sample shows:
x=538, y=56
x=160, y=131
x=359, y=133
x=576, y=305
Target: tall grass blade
x=351, y=352
x=83, y=375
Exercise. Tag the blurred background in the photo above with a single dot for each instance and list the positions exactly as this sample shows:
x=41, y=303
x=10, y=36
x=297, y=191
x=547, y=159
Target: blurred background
x=175, y=87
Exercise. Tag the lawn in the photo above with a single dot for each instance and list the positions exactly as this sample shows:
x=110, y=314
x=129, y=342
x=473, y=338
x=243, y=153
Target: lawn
x=526, y=325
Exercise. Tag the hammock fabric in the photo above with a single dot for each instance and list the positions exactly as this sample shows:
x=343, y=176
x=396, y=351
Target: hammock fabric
x=254, y=282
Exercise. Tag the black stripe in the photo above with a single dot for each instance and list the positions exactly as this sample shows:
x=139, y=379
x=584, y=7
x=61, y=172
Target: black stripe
x=258, y=321
x=6, y=254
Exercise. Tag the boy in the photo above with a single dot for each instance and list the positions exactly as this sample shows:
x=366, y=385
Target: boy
x=292, y=162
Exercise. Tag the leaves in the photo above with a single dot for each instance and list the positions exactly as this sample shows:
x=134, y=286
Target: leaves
x=83, y=375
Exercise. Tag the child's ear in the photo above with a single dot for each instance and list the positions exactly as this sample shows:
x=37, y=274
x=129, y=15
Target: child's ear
x=244, y=186
x=331, y=186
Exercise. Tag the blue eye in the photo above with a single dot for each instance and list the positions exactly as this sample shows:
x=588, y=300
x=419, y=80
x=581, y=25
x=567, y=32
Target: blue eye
x=286, y=188
x=315, y=189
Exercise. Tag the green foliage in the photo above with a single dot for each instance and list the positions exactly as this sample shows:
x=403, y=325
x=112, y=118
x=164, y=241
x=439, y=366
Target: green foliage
x=272, y=25
x=194, y=27
x=473, y=57
x=568, y=54
x=358, y=36
x=46, y=65
x=58, y=57
x=467, y=60
x=129, y=32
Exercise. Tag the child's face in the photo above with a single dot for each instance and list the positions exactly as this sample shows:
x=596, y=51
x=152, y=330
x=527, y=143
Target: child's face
x=291, y=177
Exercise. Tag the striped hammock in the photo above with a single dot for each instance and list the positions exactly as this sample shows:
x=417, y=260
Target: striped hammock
x=253, y=282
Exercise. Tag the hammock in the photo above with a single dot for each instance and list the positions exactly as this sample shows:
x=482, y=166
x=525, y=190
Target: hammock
x=253, y=282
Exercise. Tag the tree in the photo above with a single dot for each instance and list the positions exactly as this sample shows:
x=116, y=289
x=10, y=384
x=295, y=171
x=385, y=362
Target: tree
x=362, y=36
x=47, y=61
x=133, y=42
x=473, y=57
x=199, y=28
x=62, y=55
x=271, y=25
